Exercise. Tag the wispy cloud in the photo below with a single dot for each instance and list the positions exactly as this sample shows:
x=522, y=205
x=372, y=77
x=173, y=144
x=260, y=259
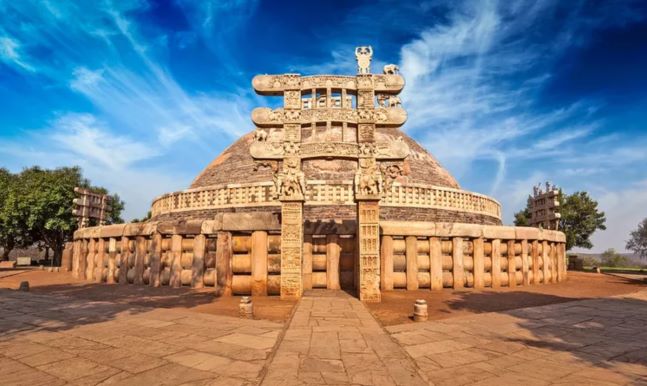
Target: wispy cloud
x=10, y=53
x=84, y=135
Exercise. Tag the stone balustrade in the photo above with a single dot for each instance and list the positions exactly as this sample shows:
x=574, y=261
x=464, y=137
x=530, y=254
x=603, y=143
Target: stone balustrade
x=324, y=193
x=240, y=254
x=417, y=255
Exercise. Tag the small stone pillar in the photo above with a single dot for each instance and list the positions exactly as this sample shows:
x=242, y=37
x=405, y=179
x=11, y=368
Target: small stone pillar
x=420, y=313
x=246, y=308
x=24, y=286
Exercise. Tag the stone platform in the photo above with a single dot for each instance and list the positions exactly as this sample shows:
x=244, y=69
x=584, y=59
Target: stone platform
x=330, y=339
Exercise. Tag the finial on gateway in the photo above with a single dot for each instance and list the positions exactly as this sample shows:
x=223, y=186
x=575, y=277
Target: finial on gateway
x=364, y=54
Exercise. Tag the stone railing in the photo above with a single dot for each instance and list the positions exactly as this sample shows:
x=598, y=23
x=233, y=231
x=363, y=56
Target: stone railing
x=236, y=253
x=417, y=255
x=324, y=193
x=240, y=254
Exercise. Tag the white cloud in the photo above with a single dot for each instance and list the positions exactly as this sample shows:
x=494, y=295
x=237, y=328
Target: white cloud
x=83, y=135
x=10, y=53
x=624, y=209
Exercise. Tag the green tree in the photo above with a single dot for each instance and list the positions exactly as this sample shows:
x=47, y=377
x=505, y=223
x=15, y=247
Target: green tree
x=611, y=258
x=13, y=233
x=522, y=217
x=42, y=203
x=580, y=218
x=638, y=240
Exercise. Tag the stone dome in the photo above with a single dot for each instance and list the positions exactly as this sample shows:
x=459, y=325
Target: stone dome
x=234, y=182
x=235, y=165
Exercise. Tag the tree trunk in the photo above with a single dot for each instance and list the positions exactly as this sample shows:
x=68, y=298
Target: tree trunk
x=7, y=248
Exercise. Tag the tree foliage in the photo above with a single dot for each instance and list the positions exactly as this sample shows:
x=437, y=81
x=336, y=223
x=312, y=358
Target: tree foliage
x=37, y=206
x=638, y=240
x=611, y=258
x=580, y=218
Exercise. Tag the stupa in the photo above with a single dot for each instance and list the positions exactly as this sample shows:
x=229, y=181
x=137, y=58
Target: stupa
x=326, y=192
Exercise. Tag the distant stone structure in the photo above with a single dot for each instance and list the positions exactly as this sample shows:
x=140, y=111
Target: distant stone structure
x=90, y=206
x=544, y=207
x=326, y=192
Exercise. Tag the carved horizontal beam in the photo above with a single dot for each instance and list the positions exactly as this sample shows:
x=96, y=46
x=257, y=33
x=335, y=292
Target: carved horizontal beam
x=277, y=84
x=392, y=150
x=382, y=116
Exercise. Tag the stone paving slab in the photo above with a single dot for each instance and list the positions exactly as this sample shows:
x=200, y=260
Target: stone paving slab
x=330, y=339
x=52, y=340
x=333, y=339
x=590, y=342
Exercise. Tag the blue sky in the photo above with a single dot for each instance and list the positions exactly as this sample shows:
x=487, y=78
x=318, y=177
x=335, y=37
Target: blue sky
x=143, y=94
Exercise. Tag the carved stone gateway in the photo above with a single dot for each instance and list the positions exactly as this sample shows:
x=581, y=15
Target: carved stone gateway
x=324, y=108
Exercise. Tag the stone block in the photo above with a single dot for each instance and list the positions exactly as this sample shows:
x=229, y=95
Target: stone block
x=526, y=233
x=115, y=230
x=250, y=221
x=499, y=232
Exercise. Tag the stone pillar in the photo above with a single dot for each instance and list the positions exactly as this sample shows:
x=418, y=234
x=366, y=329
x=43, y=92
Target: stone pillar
x=123, y=263
x=140, y=254
x=98, y=260
x=176, y=264
x=479, y=263
x=457, y=257
x=307, y=262
x=112, y=254
x=553, y=260
x=534, y=254
x=156, y=257
x=224, y=274
x=512, y=265
x=411, y=252
x=386, y=264
x=197, y=269
x=544, y=257
x=524, y=262
x=436, y=263
x=291, y=248
x=259, y=263
x=496, y=263
x=332, y=261
x=89, y=266
x=368, y=236
x=562, y=255
x=76, y=257
x=66, y=259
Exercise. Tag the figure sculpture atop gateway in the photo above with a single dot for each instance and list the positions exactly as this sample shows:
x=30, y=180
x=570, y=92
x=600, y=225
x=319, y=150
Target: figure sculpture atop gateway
x=364, y=55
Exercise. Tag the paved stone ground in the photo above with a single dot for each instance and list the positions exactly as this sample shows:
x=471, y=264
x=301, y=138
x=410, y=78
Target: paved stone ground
x=331, y=339
x=589, y=342
x=54, y=340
